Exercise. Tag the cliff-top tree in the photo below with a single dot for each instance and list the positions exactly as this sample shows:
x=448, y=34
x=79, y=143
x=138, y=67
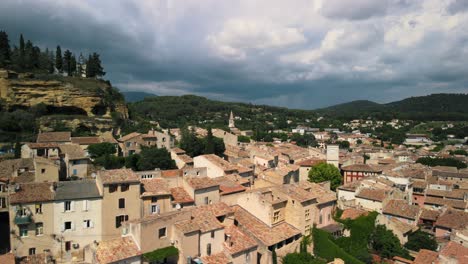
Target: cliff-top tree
x=58, y=59
x=325, y=172
x=5, y=56
x=67, y=55
x=94, y=67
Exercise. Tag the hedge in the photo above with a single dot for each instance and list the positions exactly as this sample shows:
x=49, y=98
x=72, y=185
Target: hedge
x=325, y=248
x=161, y=254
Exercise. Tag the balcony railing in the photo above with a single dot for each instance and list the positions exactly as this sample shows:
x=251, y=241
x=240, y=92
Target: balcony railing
x=23, y=219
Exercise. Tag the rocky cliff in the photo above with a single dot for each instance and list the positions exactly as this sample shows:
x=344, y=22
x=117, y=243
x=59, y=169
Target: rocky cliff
x=61, y=95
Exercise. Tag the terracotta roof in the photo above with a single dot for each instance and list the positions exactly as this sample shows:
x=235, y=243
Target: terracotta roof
x=372, y=194
x=323, y=195
x=178, y=151
x=217, y=209
x=361, y=167
x=401, y=208
x=9, y=167
x=455, y=251
x=445, y=202
x=171, y=173
x=261, y=231
x=73, y=151
x=152, y=187
x=8, y=258
x=353, y=213
x=180, y=196
x=310, y=162
x=42, y=145
x=129, y=136
x=204, y=218
x=298, y=193
x=118, y=176
x=201, y=182
x=420, y=184
x=33, y=192
x=238, y=241
x=453, y=219
x=227, y=186
x=454, y=194
x=219, y=258
x=118, y=249
x=185, y=158
x=86, y=140
x=428, y=214
x=223, y=164
x=425, y=257
x=54, y=137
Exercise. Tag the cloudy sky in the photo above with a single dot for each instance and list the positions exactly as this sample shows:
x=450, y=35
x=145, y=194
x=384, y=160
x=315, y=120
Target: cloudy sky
x=295, y=53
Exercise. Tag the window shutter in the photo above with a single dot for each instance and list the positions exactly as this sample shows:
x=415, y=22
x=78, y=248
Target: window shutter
x=63, y=227
x=91, y=223
x=126, y=217
x=150, y=209
x=72, y=206
x=84, y=223
x=63, y=207
x=73, y=226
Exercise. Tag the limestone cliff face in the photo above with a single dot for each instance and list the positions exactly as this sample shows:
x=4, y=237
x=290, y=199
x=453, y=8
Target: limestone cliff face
x=62, y=95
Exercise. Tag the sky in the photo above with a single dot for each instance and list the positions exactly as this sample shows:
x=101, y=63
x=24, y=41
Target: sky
x=296, y=53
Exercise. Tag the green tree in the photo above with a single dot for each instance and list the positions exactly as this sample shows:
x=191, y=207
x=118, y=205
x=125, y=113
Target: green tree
x=17, y=149
x=304, y=140
x=243, y=139
x=325, y=172
x=209, y=143
x=152, y=158
x=21, y=52
x=73, y=65
x=301, y=258
x=132, y=161
x=387, y=244
x=344, y=144
x=110, y=162
x=189, y=142
x=94, y=67
x=441, y=162
x=67, y=55
x=5, y=53
x=101, y=149
x=58, y=59
x=421, y=240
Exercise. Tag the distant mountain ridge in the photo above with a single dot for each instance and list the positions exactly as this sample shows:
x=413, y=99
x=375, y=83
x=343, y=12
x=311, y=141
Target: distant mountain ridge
x=135, y=96
x=435, y=106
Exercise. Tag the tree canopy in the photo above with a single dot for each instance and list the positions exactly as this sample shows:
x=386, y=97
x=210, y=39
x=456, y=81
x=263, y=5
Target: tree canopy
x=101, y=149
x=421, y=240
x=152, y=158
x=325, y=172
x=441, y=162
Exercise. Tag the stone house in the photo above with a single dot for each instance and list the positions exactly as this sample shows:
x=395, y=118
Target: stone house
x=44, y=150
x=358, y=171
x=450, y=221
x=132, y=143
x=121, y=199
x=77, y=216
x=75, y=161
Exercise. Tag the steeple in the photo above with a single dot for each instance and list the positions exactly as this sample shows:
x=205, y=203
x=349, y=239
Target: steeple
x=231, y=120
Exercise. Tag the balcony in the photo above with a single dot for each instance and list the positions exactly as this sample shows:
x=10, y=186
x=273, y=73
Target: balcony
x=23, y=219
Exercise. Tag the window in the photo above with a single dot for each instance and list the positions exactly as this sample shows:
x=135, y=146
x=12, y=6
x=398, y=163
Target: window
x=320, y=219
x=32, y=251
x=124, y=187
x=155, y=209
x=23, y=231
x=67, y=245
x=119, y=219
x=112, y=188
x=162, y=232
x=2, y=202
x=75, y=171
x=154, y=199
x=2, y=188
x=67, y=226
x=212, y=234
x=22, y=211
x=329, y=217
x=208, y=249
x=38, y=208
x=87, y=224
x=39, y=229
x=206, y=200
x=276, y=216
x=307, y=214
x=85, y=205
x=67, y=206
x=307, y=229
x=122, y=203
x=42, y=171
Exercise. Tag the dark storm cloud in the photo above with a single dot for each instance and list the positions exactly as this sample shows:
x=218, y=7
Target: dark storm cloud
x=311, y=54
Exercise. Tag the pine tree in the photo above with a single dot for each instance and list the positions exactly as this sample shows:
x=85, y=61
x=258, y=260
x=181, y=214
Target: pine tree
x=58, y=59
x=21, y=52
x=51, y=62
x=28, y=55
x=73, y=65
x=209, y=142
x=5, y=53
x=94, y=67
x=67, y=62
x=90, y=67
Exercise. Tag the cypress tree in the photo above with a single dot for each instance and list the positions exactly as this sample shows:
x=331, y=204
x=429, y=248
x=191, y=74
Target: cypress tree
x=58, y=59
x=90, y=67
x=28, y=55
x=21, y=52
x=73, y=65
x=209, y=142
x=67, y=62
x=5, y=53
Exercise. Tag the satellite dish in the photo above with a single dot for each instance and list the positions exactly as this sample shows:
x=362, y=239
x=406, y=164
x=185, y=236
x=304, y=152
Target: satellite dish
x=178, y=207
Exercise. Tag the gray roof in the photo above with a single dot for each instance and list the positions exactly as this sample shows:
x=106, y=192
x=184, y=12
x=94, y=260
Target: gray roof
x=81, y=189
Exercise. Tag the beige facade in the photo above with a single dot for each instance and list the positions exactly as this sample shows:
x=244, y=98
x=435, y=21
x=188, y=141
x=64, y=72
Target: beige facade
x=46, y=170
x=121, y=199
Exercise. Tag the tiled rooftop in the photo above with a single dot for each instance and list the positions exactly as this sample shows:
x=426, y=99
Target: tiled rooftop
x=239, y=241
x=201, y=182
x=401, y=208
x=152, y=187
x=180, y=196
x=110, y=251
x=53, y=137
x=118, y=176
x=33, y=192
x=453, y=219
x=372, y=194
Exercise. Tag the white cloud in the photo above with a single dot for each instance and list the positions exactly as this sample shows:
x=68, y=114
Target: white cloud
x=241, y=36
